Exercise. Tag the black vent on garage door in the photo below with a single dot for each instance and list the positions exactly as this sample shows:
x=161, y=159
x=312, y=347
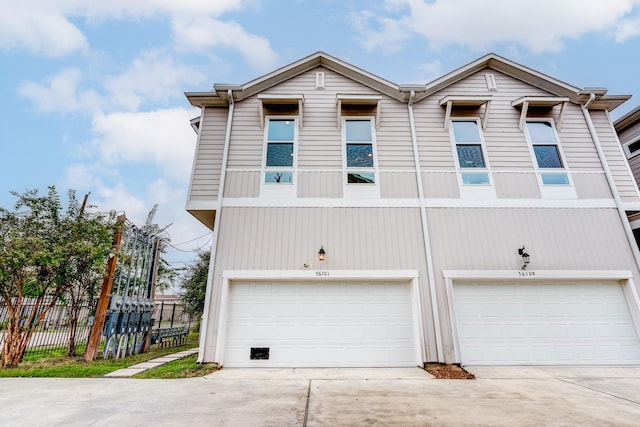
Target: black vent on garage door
x=259, y=353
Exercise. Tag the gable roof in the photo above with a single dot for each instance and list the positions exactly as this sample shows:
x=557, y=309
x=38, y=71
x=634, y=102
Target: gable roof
x=219, y=96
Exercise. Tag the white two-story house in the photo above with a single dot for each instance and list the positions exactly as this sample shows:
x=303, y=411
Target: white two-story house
x=481, y=218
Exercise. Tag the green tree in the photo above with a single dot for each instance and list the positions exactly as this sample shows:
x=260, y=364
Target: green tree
x=194, y=284
x=90, y=243
x=44, y=253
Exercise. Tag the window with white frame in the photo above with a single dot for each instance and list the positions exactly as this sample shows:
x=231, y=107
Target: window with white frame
x=280, y=150
x=469, y=149
x=359, y=151
x=544, y=143
x=632, y=148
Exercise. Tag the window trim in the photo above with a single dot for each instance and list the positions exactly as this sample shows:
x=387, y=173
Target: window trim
x=374, y=150
x=293, y=168
x=631, y=154
x=541, y=171
x=454, y=146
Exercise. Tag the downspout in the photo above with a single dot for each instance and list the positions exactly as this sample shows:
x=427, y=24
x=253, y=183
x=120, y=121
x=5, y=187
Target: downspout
x=216, y=226
x=425, y=233
x=610, y=180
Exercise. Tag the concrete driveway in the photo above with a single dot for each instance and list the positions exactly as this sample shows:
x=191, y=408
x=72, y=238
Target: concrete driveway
x=332, y=397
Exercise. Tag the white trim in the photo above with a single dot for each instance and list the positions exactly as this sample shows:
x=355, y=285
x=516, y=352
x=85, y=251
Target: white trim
x=414, y=203
x=533, y=275
x=472, y=191
x=204, y=322
x=360, y=190
x=276, y=190
x=552, y=276
x=426, y=239
x=551, y=191
x=626, y=148
x=321, y=276
x=312, y=274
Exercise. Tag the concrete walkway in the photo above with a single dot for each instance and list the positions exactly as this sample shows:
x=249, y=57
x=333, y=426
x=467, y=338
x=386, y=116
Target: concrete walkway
x=509, y=396
x=149, y=364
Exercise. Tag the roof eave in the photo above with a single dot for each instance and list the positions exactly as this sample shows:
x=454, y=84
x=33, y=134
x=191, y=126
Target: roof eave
x=629, y=119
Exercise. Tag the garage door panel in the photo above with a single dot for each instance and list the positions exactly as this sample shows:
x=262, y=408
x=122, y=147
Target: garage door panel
x=328, y=324
x=545, y=324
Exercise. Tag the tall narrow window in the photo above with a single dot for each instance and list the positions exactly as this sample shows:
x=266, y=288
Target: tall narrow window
x=279, y=163
x=358, y=135
x=547, y=153
x=468, y=140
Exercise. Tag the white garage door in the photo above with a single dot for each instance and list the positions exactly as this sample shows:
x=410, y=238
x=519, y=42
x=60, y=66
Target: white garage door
x=319, y=324
x=587, y=323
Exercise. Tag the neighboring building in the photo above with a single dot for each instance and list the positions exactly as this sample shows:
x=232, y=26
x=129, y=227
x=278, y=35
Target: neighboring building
x=358, y=222
x=628, y=129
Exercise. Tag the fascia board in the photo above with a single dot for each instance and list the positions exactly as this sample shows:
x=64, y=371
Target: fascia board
x=627, y=120
x=507, y=67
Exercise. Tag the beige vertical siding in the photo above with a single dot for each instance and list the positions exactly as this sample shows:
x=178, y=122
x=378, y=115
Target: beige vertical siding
x=208, y=161
x=399, y=185
x=440, y=185
x=591, y=186
x=319, y=184
x=242, y=184
x=556, y=239
x=625, y=183
x=511, y=185
x=287, y=238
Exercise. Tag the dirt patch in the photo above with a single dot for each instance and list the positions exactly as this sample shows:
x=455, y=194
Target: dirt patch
x=449, y=372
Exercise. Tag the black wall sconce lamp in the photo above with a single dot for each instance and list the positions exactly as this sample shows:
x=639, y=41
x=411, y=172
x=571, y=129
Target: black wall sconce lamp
x=525, y=257
x=321, y=254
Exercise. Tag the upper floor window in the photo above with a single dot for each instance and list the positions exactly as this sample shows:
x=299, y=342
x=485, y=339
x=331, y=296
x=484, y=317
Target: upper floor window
x=359, y=151
x=470, y=152
x=544, y=143
x=280, y=151
x=632, y=148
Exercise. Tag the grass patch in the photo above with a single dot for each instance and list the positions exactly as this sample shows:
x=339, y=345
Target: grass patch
x=77, y=367
x=181, y=368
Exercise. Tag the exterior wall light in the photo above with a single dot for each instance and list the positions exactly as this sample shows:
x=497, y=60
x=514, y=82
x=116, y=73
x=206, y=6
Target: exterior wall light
x=321, y=254
x=525, y=257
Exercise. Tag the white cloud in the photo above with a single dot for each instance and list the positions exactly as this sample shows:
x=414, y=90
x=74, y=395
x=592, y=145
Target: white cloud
x=40, y=28
x=163, y=137
x=47, y=27
x=541, y=26
x=154, y=76
x=60, y=93
x=200, y=33
x=628, y=28
x=429, y=71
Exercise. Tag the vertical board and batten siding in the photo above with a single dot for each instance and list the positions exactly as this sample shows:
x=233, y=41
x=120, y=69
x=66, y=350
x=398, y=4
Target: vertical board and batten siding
x=207, y=165
x=286, y=238
x=399, y=185
x=591, y=186
x=242, y=184
x=629, y=134
x=556, y=239
x=440, y=185
x=511, y=185
x=320, y=184
x=625, y=183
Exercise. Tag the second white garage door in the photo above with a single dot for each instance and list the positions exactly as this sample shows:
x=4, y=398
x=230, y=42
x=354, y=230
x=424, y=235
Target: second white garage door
x=545, y=323
x=319, y=324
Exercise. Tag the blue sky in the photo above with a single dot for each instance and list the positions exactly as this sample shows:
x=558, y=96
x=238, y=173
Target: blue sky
x=91, y=92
